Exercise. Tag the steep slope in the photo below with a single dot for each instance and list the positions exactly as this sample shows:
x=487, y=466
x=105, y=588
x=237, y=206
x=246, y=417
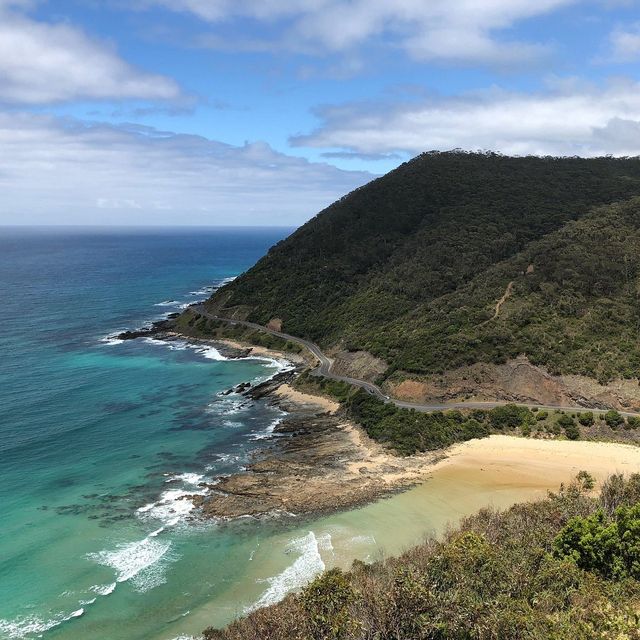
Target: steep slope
x=411, y=267
x=573, y=305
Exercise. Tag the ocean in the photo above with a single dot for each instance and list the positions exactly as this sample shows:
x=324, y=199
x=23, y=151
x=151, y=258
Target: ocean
x=101, y=439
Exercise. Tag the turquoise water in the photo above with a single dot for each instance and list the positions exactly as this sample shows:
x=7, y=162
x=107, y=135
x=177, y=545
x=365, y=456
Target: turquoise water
x=100, y=439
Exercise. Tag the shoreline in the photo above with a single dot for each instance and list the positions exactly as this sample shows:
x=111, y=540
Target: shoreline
x=316, y=461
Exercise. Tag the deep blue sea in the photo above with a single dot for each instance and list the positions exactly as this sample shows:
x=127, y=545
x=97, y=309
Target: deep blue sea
x=100, y=439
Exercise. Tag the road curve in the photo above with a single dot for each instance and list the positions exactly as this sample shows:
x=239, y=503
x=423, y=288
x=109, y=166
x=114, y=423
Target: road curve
x=325, y=364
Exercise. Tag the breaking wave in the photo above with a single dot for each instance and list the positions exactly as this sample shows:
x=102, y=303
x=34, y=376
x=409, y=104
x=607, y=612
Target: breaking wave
x=306, y=566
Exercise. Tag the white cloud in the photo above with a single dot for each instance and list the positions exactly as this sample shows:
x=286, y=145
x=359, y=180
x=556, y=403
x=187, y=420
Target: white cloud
x=570, y=119
x=45, y=63
x=55, y=171
x=452, y=30
x=625, y=43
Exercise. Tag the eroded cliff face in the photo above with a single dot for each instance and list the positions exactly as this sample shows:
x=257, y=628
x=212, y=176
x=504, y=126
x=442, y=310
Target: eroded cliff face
x=516, y=381
x=357, y=364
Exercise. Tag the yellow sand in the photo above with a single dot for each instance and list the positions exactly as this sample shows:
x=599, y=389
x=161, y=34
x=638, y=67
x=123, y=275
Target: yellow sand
x=289, y=393
x=537, y=463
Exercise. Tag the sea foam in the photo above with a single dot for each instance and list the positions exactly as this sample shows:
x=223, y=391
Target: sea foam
x=140, y=562
x=26, y=626
x=268, y=432
x=172, y=507
x=306, y=566
x=206, y=351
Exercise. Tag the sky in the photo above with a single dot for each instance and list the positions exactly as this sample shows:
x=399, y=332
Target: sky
x=263, y=112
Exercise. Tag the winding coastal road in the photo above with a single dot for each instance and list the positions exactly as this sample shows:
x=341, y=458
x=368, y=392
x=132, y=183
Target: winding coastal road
x=326, y=363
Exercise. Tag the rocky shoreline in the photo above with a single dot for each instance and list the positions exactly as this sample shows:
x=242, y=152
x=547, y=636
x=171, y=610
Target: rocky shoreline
x=315, y=462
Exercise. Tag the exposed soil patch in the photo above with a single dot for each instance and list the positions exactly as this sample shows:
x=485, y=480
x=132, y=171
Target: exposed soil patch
x=357, y=364
x=502, y=300
x=516, y=381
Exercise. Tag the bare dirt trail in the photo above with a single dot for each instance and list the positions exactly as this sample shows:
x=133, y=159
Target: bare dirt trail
x=505, y=297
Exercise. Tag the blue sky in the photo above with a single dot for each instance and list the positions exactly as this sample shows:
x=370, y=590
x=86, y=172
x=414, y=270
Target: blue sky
x=265, y=111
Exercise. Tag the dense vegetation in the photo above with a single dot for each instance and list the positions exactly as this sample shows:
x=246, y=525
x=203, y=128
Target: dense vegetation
x=529, y=572
x=410, y=267
x=407, y=431
x=410, y=431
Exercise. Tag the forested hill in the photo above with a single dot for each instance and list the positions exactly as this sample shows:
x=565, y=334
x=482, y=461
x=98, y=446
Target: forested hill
x=410, y=267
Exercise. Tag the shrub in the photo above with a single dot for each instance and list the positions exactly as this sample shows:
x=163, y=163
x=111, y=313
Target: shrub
x=586, y=480
x=569, y=425
x=613, y=419
x=542, y=415
x=409, y=431
x=586, y=418
x=572, y=431
x=509, y=416
x=611, y=549
x=633, y=422
x=566, y=421
x=326, y=603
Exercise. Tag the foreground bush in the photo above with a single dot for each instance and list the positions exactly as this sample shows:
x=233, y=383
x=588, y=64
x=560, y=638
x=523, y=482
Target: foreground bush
x=610, y=547
x=525, y=573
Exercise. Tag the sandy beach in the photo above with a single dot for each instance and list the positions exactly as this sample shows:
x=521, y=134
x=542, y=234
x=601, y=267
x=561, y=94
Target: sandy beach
x=287, y=392
x=508, y=460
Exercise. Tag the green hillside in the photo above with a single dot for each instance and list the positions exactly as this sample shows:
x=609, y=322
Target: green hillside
x=410, y=266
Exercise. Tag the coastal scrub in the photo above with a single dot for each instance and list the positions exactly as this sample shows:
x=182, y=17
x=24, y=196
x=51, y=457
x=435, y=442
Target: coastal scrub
x=523, y=573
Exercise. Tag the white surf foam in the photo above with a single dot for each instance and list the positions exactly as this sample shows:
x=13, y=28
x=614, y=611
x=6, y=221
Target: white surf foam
x=140, y=562
x=228, y=405
x=111, y=339
x=268, y=432
x=307, y=565
x=103, y=589
x=209, y=289
x=205, y=291
x=173, y=506
x=174, y=345
x=144, y=561
x=188, y=478
x=227, y=458
x=26, y=626
x=325, y=542
x=206, y=351
x=167, y=303
x=209, y=352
